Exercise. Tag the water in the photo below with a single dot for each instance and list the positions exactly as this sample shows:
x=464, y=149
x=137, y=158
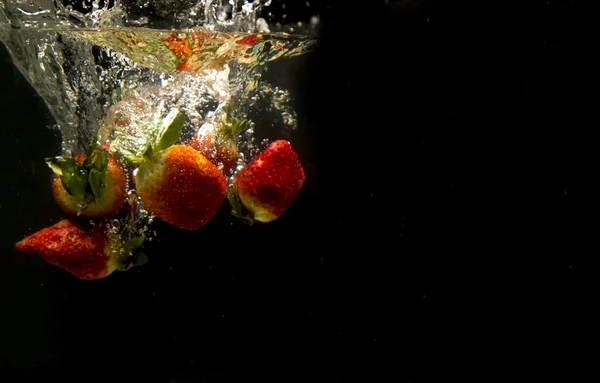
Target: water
x=94, y=62
x=81, y=63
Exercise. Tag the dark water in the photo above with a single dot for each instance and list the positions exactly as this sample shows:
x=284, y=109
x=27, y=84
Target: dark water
x=444, y=231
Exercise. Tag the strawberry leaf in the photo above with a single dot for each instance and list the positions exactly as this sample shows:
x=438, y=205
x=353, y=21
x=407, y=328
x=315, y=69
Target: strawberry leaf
x=238, y=126
x=135, y=242
x=96, y=181
x=85, y=182
x=72, y=175
x=232, y=126
x=96, y=164
x=237, y=208
x=147, y=153
x=55, y=164
x=140, y=259
x=151, y=139
x=89, y=156
x=169, y=131
x=99, y=160
x=128, y=258
x=75, y=181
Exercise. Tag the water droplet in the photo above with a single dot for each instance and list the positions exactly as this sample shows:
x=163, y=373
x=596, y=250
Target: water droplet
x=262, y=26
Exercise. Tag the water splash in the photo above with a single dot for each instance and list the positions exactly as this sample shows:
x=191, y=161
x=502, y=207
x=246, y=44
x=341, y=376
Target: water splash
x=214, y=15
x=81, y=58
x=109, y=70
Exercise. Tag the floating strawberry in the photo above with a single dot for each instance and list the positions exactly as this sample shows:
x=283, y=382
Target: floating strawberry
x=86, y=251
x=268, y=185
x=175, y=182
x=218, y=142
x=92, y=185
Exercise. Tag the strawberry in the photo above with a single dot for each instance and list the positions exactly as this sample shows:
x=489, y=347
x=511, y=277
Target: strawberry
x=267, y=186
x=218, y=142
x=92, y=185
x=181, y=187
x=88, y=252
x=177, y=183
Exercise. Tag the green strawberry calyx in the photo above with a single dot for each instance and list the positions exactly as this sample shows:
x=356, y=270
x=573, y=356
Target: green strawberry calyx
x=231, y=126
x=238, y=209
x=166, y=134
x=86, y=182
x=129, y=256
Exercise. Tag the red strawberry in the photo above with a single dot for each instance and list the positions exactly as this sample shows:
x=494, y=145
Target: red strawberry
x=85, y=252
x=268, y=185
x=92, y=185
x=181, y=187
x=177, y=183
x=218, y=143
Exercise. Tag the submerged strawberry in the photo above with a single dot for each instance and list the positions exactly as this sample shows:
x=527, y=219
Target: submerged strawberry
x=177, y=183
x=218, y=142
x=86, y=251
x=93, y=184
x=268, y=185
x=181, y=187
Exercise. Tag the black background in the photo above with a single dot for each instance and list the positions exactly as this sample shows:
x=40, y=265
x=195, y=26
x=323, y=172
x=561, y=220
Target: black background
x=445, y=230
